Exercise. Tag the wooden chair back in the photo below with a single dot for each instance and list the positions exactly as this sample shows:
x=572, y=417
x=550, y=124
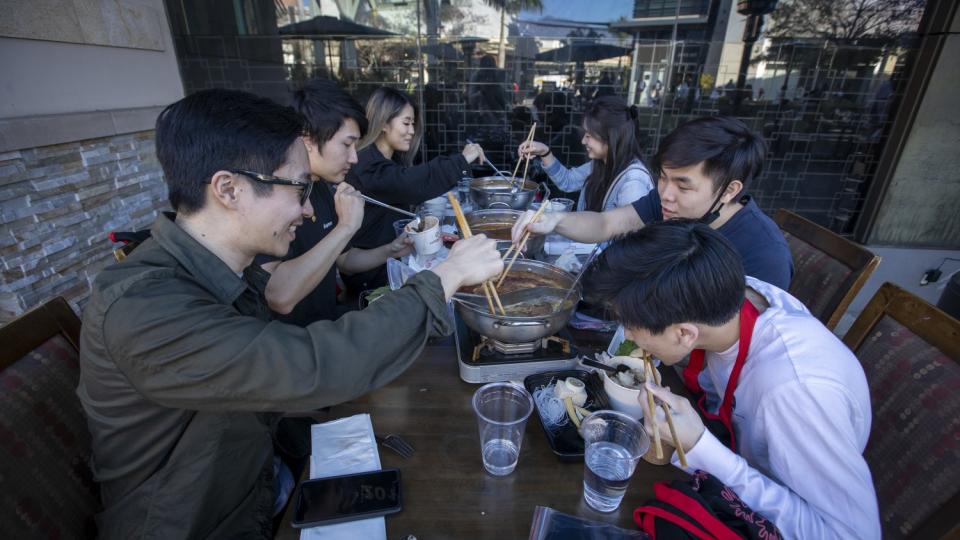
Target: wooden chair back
x=829, y=270
x=48, y=488
x=910, y=352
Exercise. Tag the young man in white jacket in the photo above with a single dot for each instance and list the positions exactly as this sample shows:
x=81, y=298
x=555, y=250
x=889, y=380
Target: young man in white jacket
x=783, y=411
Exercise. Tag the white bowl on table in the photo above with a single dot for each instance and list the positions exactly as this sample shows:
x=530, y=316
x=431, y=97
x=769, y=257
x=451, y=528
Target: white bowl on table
x=622, y=398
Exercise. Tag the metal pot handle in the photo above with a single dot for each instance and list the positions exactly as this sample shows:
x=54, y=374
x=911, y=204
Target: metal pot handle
x=515, y=324
x=499, y=204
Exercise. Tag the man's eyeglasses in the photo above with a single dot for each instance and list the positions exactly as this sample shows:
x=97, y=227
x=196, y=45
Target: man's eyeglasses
x=305, y=186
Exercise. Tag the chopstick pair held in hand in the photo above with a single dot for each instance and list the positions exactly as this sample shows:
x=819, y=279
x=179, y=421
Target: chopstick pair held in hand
x=488, y=289
x=519, y=247
x=529, y=138
x=653, y=378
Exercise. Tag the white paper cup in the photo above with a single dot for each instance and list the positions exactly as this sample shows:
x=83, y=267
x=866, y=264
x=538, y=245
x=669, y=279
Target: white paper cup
x=427, y=242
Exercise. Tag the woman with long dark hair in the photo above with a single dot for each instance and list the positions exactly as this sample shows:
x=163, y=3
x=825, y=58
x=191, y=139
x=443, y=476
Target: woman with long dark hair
x=615, y=175
x=385, y=171
x=385, y=154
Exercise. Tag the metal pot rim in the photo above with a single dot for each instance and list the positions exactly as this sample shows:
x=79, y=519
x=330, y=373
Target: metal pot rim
x=481, y=183
x=578, y=291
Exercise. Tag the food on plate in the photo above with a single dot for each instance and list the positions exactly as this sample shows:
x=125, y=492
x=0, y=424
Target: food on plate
x=573, y=392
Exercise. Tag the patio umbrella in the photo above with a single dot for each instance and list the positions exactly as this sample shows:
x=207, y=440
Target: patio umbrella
x=325, y=26
x=582, y=52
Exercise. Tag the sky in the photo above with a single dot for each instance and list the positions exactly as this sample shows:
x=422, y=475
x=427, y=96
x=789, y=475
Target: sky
x=602, y=11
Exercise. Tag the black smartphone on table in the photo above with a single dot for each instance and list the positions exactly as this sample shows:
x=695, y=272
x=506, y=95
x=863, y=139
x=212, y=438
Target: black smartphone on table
x=350, y=497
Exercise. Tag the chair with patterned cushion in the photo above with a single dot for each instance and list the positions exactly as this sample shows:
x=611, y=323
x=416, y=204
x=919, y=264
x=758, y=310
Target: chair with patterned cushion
x=828, y=270
x=910, y=352
x=46, y=486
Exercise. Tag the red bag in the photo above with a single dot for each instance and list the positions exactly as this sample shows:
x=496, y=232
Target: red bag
x=701, y=508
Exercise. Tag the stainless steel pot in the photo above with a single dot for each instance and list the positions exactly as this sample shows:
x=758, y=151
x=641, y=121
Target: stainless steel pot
x=497, y=192
x=511, y=329
x=480, y=219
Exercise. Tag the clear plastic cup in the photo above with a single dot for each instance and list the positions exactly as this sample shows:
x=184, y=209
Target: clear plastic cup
x=502, y=411
x=561, y=205
x=463, y=194
x=399, y=226
x=613, y=443
x=556, y=205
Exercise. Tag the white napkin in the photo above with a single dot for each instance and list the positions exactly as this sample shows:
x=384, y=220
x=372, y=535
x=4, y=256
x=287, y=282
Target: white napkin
x=345, y=446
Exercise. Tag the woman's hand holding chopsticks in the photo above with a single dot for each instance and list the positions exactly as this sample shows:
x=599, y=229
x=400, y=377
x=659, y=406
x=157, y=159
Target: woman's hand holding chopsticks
x=525, y=224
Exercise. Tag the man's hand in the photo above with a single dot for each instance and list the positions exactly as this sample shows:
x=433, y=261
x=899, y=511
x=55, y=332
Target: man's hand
x=349, y=207
x=545, y=225
x=472, y=152
x=471, y=261
x=686, y=421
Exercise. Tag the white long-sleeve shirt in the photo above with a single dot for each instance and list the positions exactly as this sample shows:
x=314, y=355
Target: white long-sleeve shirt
x=634, y=183
x=802, y=419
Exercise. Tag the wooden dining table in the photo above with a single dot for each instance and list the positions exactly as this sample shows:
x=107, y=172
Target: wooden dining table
x=446, y=493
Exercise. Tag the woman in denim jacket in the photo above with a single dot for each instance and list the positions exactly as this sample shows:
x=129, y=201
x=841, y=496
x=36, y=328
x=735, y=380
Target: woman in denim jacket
x=615, y=175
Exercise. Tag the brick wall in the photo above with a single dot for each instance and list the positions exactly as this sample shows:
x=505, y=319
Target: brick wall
x=57, y=204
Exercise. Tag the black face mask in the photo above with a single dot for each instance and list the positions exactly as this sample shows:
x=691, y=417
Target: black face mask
x=714, y=211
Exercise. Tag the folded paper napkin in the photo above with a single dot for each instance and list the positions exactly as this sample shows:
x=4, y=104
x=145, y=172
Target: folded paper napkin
x=345, y=446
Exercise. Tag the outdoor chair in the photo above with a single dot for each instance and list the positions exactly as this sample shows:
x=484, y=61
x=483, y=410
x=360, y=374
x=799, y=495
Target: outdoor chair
x=48, y=489
x=910, y=351
x=828, y=270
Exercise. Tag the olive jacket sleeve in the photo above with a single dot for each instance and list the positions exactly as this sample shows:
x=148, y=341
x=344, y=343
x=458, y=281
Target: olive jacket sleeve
x=181, y=348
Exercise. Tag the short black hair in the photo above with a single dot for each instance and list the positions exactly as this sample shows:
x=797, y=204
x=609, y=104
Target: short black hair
x=670, y=272
x=324, y=107
x=726, y=146
x=214, y=130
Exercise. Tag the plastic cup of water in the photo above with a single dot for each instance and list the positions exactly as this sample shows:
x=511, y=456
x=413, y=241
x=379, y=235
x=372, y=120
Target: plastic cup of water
x=614, y=443
x=502, y=410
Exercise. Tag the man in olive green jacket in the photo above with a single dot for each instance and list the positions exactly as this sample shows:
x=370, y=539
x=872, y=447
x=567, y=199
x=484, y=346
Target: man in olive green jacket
x=183, y=374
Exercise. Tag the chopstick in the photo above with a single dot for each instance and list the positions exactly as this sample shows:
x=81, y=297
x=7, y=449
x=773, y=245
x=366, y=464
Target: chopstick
x=526, y=163
x=652, y=408
x=521, y=245
x=488, y=289
x=371, y=200
x=666, y=410
x=517, y=168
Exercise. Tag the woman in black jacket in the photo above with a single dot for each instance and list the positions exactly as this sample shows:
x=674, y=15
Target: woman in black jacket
x=385, y=171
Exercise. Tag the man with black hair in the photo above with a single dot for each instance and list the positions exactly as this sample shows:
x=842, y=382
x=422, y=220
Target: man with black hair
x=704, y=167
x=182, y=372
x=785, y=405
x=302, y=286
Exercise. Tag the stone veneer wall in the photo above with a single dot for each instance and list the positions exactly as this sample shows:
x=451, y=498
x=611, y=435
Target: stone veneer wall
x=57, y=204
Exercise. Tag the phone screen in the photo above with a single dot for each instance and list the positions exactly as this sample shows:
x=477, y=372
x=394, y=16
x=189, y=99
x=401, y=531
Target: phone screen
x=346, y=498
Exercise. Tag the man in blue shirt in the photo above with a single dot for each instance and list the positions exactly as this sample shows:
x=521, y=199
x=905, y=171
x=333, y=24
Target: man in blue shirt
x=704, y=168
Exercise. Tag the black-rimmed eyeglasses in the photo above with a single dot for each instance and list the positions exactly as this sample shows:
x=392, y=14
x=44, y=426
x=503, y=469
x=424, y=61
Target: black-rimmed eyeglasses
x=306, y=186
